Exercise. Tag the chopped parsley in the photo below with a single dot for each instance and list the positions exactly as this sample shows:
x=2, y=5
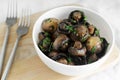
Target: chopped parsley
x=73, y=21
x=48, y=20
x=101, y=39
x=46, y=41
x=85, y=18
x=51, y=47
x=47, y=34
x=69, y=60
x=93, y=50
x=71, y=29
x=97, y=32
x=83, y=39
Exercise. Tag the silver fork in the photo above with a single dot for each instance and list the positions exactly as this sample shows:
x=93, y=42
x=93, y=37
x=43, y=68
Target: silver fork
x=22, y=30
x=10, y=21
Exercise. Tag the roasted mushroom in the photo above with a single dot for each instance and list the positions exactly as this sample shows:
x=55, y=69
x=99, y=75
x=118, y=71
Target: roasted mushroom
x=62, y=60
x=77, y=49
x=50, y=25
x=44, y=44
x=104, y=47
x=65, y=27
x=77, y=52
x=91, y=29
x=59, y=57
x=94, y=44
x=42, y=35
x=76, y=17
x=53, y=54
x=55, y=35
x=92, y=58
x=81, y=33
x=77, y=60
x=61, y=43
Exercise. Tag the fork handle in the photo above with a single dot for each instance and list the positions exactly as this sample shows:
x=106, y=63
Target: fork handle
x=10, y=60
x=2, y=54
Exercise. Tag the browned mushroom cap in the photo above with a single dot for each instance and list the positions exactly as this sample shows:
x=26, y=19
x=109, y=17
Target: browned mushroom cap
x=77, y=49
x=62, y=60
x=61, y=42
x=76, y=17
x=77, y=52
x=94, y=44
x=77, y=45
x=42, y=35
x=55, y=35
x=59, y=57
x=50, y=25
x=81, y=34
x=65, y=27
x=92, y=58
x=53, y=54
x=91, y=29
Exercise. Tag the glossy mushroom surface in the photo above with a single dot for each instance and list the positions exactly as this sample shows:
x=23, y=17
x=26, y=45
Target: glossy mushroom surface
x=50, y=25
x=76, y=17
x=61, y=42
x=72, y=41
x=94, y=44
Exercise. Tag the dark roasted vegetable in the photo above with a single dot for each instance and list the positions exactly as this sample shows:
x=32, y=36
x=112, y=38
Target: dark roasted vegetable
x=77, y=49
x=61, y=43
x=105, y=45
x=92, y=58
x=44, y=44
x=81, y=33
x=42, y=35
x=94, y=44
x=50, y=25
x=65, y=27
x=76, y=17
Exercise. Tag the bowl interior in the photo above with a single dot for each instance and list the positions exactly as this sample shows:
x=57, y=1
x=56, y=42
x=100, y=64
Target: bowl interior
x=63, y=12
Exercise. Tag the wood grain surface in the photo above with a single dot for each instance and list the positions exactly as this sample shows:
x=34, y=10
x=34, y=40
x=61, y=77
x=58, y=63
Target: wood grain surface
x=28, y=66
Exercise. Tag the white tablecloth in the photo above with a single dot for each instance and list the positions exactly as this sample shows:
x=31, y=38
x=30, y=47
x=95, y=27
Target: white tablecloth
x=108, y=8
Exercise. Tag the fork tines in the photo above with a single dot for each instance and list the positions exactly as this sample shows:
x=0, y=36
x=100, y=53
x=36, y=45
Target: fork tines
x=25, y=18
x=12, y=9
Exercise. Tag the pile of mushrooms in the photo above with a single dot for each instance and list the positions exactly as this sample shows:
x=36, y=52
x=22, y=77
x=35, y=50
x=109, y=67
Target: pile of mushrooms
x=72, y=41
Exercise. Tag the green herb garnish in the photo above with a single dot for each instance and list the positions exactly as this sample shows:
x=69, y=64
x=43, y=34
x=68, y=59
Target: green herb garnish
x=93, y=50
x=41, y=48
x=83, y=39
x=47, y=34
x=48, y=20
x=69, y=60
x=101, y=39
x=85, y=18
x=97, y=32
x=90, y=61
x=51, y=47
x=46, y=41
x=69, y=28
x=74, y=31
x=74, y=21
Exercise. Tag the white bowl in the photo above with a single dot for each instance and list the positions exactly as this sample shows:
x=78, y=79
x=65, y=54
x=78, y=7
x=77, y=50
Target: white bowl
x=62, y=13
